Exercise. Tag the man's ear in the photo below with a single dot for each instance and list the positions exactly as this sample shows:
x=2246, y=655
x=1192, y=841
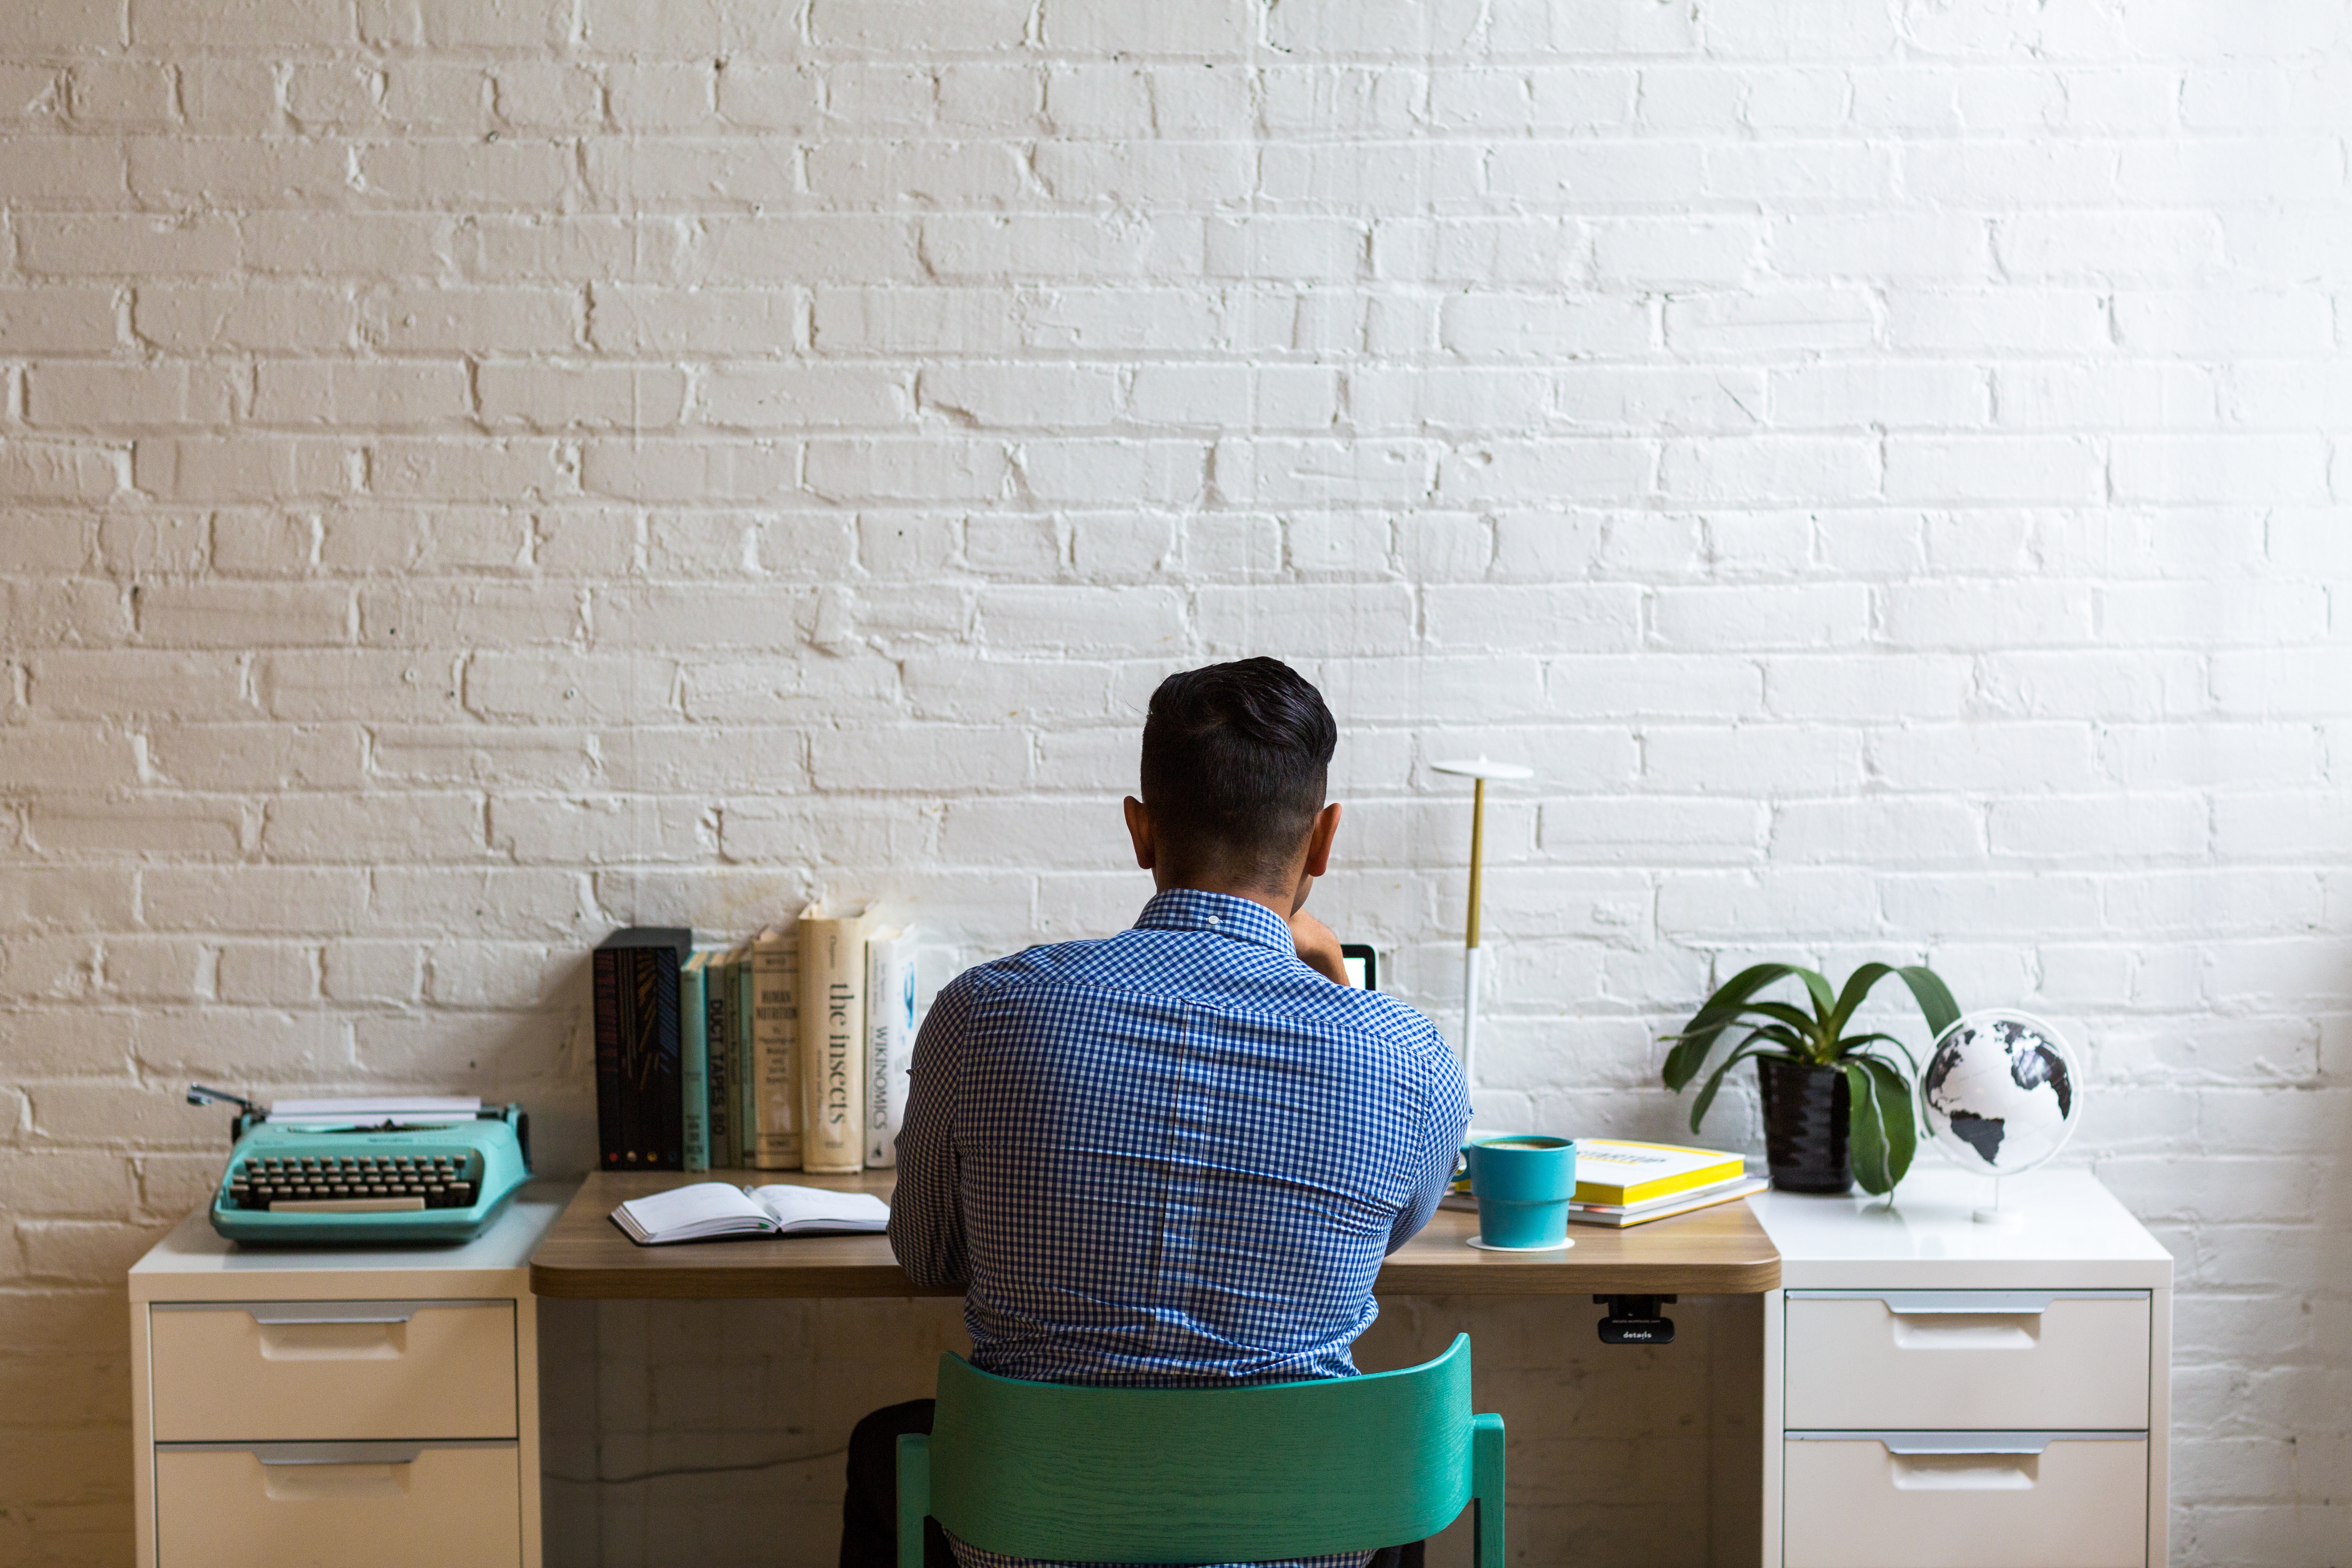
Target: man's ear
x=1139, y=828
x=1318, y=839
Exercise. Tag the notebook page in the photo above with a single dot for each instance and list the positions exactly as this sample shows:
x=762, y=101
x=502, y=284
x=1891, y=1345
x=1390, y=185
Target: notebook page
x=705, y=1208
x=803, y=1210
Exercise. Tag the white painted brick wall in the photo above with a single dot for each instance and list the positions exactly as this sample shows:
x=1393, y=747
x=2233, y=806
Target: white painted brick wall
x=478, y=474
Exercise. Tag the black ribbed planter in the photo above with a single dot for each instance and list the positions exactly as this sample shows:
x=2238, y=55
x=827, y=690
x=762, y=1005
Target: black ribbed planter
x=1805, y=1123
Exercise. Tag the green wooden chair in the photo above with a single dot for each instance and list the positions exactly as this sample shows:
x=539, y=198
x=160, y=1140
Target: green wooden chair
x=1202, y=1475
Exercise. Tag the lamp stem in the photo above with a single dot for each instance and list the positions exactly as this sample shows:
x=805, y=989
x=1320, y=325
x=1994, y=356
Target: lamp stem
x=1470, y=940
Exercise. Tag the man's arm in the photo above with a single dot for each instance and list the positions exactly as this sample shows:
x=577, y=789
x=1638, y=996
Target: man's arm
x=1319, y=947
x=1447, y=1117
x=927, y=1209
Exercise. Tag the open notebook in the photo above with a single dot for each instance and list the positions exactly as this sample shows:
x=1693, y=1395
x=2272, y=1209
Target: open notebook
x=708, y=1210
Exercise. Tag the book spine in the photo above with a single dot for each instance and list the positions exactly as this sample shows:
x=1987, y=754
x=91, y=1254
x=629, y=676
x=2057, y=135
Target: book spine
x=669, y=1067
x=774, y=968
x=721, y=1081
x=747, y=1086
x=833, y=1043
x=902, y=1047
x=694, y=1063
x=890, y=1040
x=604, y=967
x=729, y=1001
x=653, y=1105
x=633, y=1053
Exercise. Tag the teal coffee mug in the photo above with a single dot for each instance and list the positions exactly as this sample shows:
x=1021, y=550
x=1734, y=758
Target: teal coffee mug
x=1523, y=1182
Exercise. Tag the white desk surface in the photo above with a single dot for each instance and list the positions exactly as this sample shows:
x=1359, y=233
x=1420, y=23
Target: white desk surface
x=195, y=1263
x=2075, y=1234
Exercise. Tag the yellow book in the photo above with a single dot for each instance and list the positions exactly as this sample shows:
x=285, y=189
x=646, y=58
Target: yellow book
x=1611, y=1171
x=833, y=1041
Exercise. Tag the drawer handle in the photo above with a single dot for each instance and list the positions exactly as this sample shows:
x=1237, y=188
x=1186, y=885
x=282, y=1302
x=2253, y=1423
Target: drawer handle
x=361, y=1451
x=1964, y=1473
x=1969, y=1303
x=2015, y=1443
x=346, y=1339
x=1916, y=1444
x=334, y=1472
x=268, y=1313
x=318, y=1313
x=338, y=1453
x=2004, y=1331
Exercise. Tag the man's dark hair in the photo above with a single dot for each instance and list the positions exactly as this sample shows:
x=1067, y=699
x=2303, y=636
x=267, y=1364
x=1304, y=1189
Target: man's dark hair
x=1234, y=761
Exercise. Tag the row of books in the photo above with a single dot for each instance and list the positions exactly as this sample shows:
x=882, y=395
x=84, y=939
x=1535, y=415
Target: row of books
x=1620, y=1183
x=787, y=1051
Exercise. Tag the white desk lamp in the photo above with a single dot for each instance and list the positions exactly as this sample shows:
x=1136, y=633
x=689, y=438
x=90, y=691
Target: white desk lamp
x=1481, y=771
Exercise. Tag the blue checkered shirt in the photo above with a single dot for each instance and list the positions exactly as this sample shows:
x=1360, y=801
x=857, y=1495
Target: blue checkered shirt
x=1172, y=1157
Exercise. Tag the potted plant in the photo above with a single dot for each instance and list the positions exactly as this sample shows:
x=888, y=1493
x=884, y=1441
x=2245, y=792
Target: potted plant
x=1836, y=1107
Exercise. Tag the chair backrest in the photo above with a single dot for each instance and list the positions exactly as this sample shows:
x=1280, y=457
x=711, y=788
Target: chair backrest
x=1194, y=1475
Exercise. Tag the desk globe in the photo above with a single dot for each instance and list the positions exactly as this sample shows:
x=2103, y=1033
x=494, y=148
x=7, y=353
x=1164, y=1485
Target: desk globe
x=2002, y=1093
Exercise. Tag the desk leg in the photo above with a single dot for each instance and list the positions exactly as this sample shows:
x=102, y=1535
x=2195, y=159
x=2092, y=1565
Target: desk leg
x=527, y=1421
x=2159, y=1427
x=142, y=1442
x=1776, y=1360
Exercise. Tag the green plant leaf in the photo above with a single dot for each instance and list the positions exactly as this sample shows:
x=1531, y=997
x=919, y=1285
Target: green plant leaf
x=1928, y=989
x=1898, y=1117
x=1852, y=1046
x=1857, y=989
x=1715, y=1081
x=1866, y=1136
x=1797, y=1018
x=1786, y=1038
x=1908, y=1058
x=1818, y=983
x=1935, y=998
x=1715, y=1022
x=1695, y=1038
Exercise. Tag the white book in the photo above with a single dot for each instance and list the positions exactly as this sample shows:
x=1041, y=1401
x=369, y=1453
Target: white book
x=889, y=1040
x=831, y=988
x=1620, y=1172
x=1673, y=1203
x=708, y=1210
x=1635, y=1214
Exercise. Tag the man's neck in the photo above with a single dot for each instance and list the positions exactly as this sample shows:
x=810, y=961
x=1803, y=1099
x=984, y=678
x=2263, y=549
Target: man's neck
x=1282, y=905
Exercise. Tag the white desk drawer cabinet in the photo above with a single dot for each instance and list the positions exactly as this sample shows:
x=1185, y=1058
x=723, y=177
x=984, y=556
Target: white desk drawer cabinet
x=1942, y=1393
x=2015, y=1359
x=313, y=1371
x=344, y=1408
x=339, y=1505
x=1992, y=1500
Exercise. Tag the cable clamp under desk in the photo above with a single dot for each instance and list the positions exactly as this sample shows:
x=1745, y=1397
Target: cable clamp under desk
x=1635, y=1320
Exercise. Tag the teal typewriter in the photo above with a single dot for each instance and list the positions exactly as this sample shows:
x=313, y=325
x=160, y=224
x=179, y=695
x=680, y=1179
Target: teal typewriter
x=356, y=1173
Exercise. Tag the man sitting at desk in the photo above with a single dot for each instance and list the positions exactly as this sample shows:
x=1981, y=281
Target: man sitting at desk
x=1174, y=1157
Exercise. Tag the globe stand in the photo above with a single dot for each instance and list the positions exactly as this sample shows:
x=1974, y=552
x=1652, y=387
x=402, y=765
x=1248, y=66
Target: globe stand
x=2007, y=1218
x=2023, y=1051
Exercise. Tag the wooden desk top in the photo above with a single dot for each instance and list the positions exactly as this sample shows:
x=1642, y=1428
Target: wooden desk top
x=1719, y=1251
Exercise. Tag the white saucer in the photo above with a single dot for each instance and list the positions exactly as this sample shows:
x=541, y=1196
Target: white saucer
x=1549, y=1246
